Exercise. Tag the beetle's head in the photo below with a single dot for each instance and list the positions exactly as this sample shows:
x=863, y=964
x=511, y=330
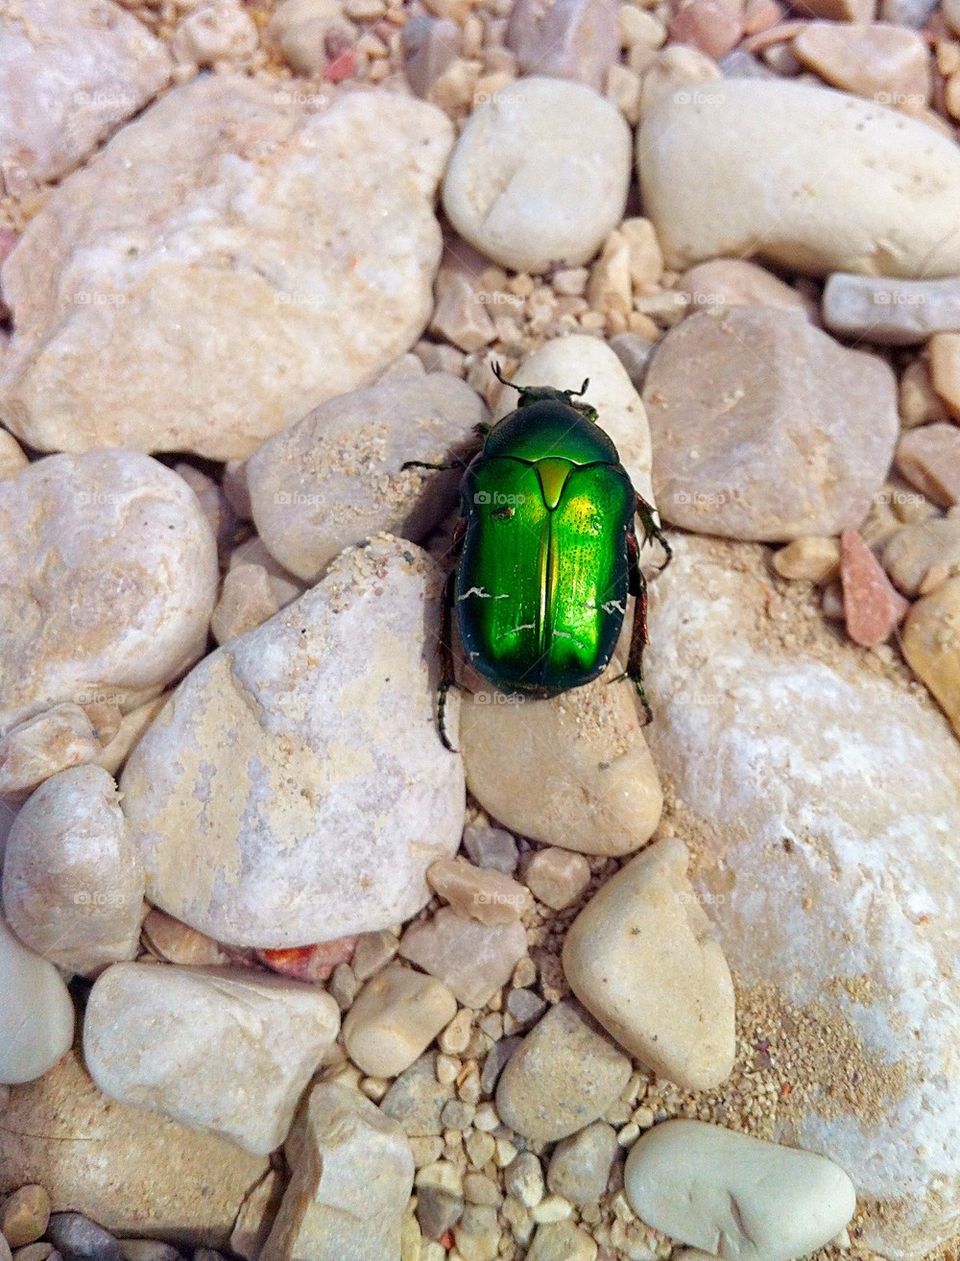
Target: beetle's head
x=545, y=393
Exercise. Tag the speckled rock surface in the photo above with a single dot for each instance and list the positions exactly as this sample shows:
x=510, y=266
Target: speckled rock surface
x=335, y=478
x=197, y=288
x=109, y=578
x=70, y=72
x=295, y=789
x=835, y=900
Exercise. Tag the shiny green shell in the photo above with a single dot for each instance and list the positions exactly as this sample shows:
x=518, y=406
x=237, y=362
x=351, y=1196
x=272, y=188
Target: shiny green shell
x=541, y=587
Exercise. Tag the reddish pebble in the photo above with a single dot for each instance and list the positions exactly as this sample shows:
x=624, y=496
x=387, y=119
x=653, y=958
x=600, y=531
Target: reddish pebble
x=341, y=67
x=871, y=606
x=707, y=25
x=309, y=963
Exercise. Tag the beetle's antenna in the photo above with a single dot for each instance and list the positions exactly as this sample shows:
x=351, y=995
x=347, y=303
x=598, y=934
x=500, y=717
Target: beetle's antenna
x=498, y=373
x=579, y=393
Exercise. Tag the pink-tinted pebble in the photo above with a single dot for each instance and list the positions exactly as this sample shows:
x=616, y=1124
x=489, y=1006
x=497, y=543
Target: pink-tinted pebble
x=341, y=67
x=761, y=15
x=871, y=606
x=309, y=963
x=707, y=25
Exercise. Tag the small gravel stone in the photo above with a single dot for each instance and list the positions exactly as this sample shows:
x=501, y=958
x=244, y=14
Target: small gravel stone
x=556, y=877
x=912, y=552
x=473, y=959
x=437, y=1211
x=299, y=29
x=525, y=1006
x=539, y=175
x=523, y=1179
x=477, y=1233
x=931, y=645
x=478, y=893
x=562, y=1241
x=25, y=1215
x=678, y=68
x=373, y=952
x=646, y=922
x=944, y=359
x=80, y=1239
x=894, y=312
x=568, y=39
x=148, y=1250
x=495, y=1062
x=45, y=1252
x=709, y=25
x=416, y=1098
x=55, y=740
x=634, y=353
x=176, y=942
x=563, y=1075
x=490, y=847
x=872, y=608
x=929, y=458
x=580, y=1165
x=247, y=599
x=724, y=282
x=430, y=46
x=215, y=31
x=808, y=559
x=682, y=1178
x=395, y=1017
x=816, y=402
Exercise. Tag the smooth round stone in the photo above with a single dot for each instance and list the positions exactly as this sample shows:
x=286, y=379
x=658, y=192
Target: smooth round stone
x=646, y=922
x=393, y=1020
x=564, y=363
x=72, y=879
x=797, y=448
x=336, y=477
x=884, y=62
x=294, y=789
x=36, y=1013
x=804, y=176
x=736, y=1196
x=912, y=551
x=736, y=282
x=109, y=579
x=539, y=175
x=580, y=1165
x=77, y=1238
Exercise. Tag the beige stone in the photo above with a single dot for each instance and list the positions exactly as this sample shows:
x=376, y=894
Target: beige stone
x=176, y=942
x=811, y=558
x=480, y=893
x=643, y=958
x=570, y=39
x=247, y=600
x=610, y=289
x=893, y=312
x=352, y=1176
x=736, y=282
x=72, y=879
x=886, y=63
x=839, y=10
x=736, y=1195
x=25, y=1215
x=912, y=552
x=931, y=645
x=54, y=740
x=473, y=959
x=12, y=457
x=943, y=351
x=394, y=1018
x=564, y=1075
x=215, y=31
x=459, y=315
x=132, y=1172
x=220, y=1048
x=562, y=1241
x=557, y=877
x=929, y=458
x=799, y=175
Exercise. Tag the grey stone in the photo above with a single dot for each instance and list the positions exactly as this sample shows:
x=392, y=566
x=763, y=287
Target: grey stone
x=80, y=1239
x=580, y=1165
x=490, y=847
x=416, y=1099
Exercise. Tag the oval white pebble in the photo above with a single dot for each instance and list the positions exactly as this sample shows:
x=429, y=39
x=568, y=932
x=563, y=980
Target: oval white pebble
x=735, y=1196
x=540, y=174
x=36, y=1014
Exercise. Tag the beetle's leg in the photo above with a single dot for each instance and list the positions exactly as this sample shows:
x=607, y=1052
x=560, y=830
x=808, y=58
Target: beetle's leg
x=441, y=468
x=447, y=675
x=637, y=586
x=651, y=528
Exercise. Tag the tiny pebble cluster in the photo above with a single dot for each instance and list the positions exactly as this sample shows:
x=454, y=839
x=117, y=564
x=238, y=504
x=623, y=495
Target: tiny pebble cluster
x=281, y=977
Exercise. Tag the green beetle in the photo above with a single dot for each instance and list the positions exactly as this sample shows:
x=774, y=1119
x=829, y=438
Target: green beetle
x=547, y=552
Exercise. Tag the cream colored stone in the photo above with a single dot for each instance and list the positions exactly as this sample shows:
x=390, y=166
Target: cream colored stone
x=36, y=1014
x=352, y=1176
x=539, y=175
x=110, y=571
x=460, y=316
x=735, y=282
x=919, y=402
x=642, y=957
x=298, y=29
x=563, y=363
x=735, y=1196
x=394, y=1018
x=72, y=879
x=220, y=1048
x=294, y=790
x=480, y=893
x=678, y=68
x=556, y=877
x=175, y=942
x=931, y=645
x=473, y=959
x=214, y=31
x=808, y=559
x=132, y=1172
x=12, y=457
x=197, y=288
x=799, y=175
x=610, y=289
x=132, y=726
x=247, y=600
x=597, y=789
x=564, y=1075
x=52, y=741
x=943, y=351
x=884, y=62
x=912, y=552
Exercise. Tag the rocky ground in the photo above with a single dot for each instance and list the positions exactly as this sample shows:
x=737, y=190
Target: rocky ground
x=281, y=978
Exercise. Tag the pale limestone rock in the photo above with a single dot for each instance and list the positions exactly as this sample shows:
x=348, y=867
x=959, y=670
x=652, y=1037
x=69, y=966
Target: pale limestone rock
x=214, y=31
x=197, y=288
x=72, y=879
x=595, y=787
x=736, y=282
x=473, y=959
x=72, y=71
x=911, y=552
x=556, y=877
x=539, y=174
x=735, y=1196
x=890, y=312
x=836, y=908
x=12, y=457
x=294, y=790
x=178, y=943
x=564, y=1075
x=580, y=1165
x=642, y=957
x=110, y=574
x=814, y=179
x=299, y=28
x=568, y=39
x=222, y=1049
x=808, y=559
x=36, y=1014
x=247, y=600
x=352, y=1176
x=484, y=895
x=336, y=477
x=797, y=449
x=126, y=1169
x=34, y=750
x=881, y=61
x=394, y=1018
x=929, y=458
